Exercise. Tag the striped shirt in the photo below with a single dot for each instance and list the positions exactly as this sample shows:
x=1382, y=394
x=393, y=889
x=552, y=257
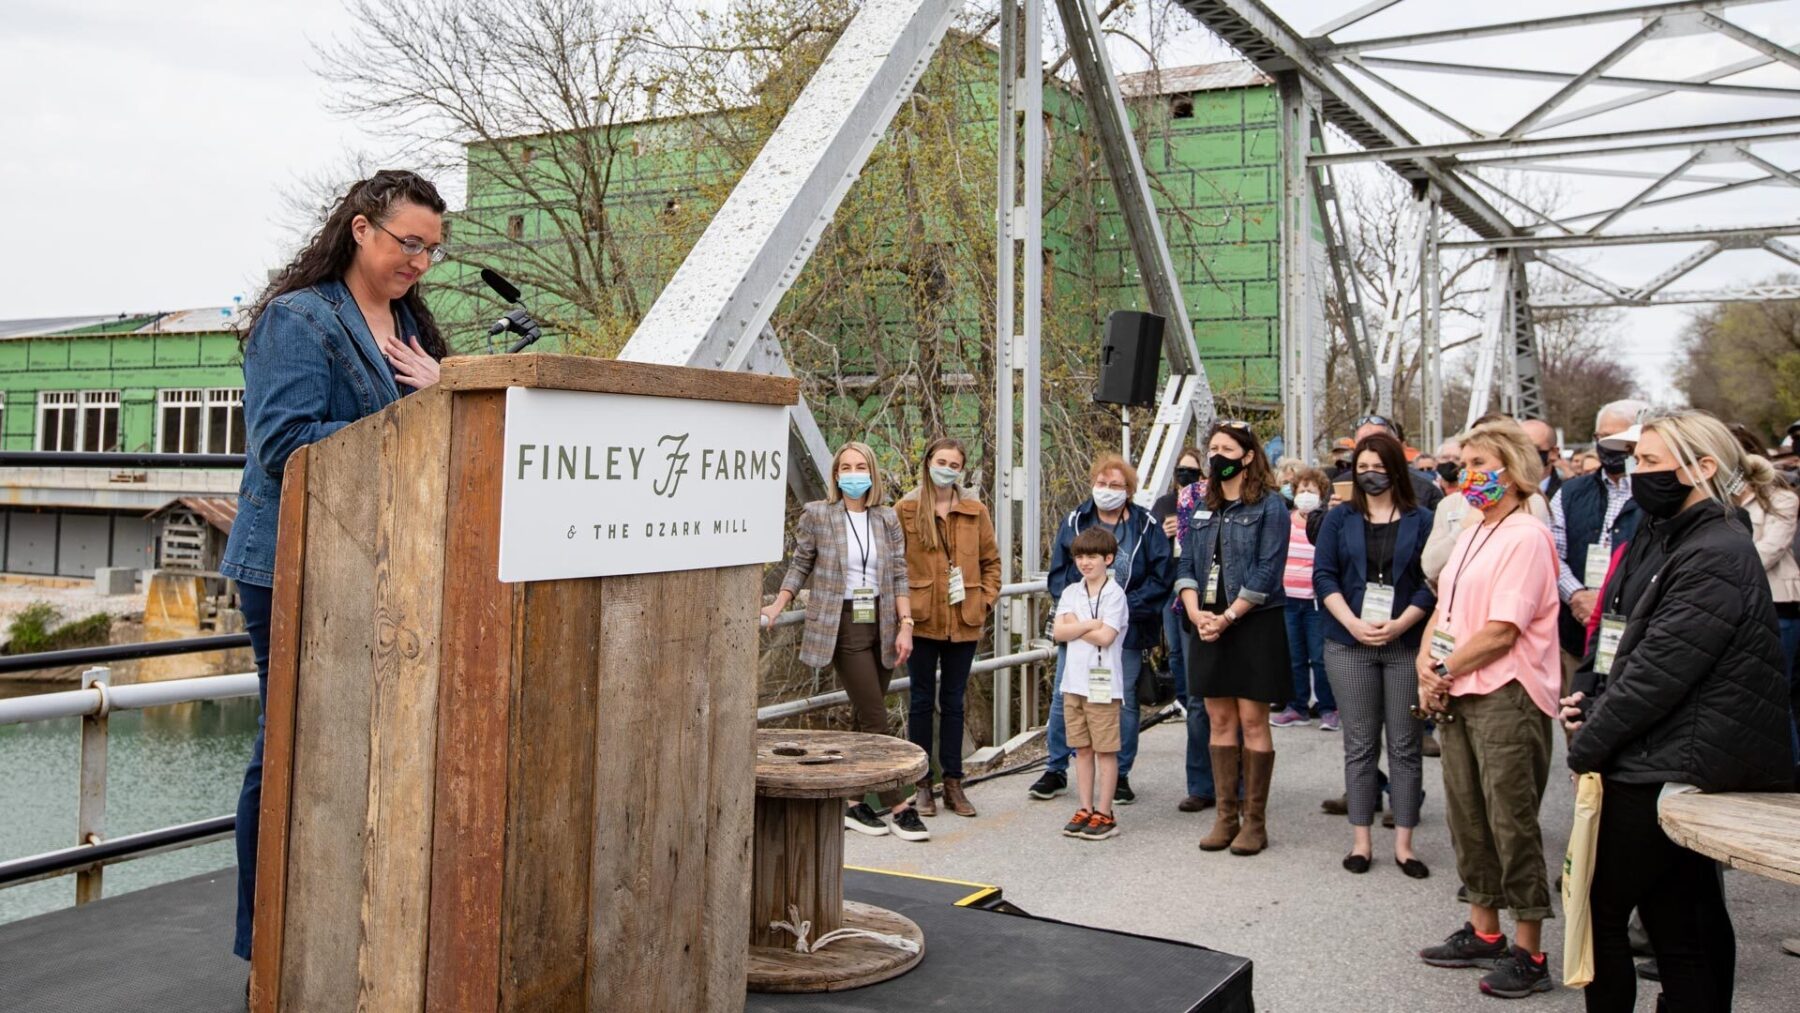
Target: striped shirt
x=1296, y=580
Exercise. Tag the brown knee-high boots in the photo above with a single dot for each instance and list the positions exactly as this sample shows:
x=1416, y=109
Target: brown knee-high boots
x=1259, y=768
x=1225, y=818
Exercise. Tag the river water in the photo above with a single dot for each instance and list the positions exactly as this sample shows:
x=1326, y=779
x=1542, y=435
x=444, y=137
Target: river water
x=165, y=766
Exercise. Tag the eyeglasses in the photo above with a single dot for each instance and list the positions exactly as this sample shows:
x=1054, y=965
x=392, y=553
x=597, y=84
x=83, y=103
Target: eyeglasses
x=412, y=246
x=1374, y=420
x=1239, y=424
x=1441, y=717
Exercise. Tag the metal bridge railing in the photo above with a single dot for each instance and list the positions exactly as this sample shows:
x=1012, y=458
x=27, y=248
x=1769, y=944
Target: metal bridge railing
x=97, y=699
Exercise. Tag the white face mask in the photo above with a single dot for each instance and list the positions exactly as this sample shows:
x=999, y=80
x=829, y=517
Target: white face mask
x=1109, y=499
x=1306, y=502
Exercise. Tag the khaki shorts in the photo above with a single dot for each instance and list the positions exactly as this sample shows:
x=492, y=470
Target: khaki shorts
x=1091, y=725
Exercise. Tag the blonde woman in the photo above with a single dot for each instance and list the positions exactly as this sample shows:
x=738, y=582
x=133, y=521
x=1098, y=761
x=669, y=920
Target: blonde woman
x=1488, y=664
x=1684, y=685
x=859, y=617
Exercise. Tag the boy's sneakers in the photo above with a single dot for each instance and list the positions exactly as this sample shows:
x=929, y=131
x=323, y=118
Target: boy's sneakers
x=909, y=827
x=1290, y=716
x=1100, y=826
x=1075, y=826
x=1123, y=795
x=1329, y=722
x=1466, y=949
x=1517, y=975
x=863, y=820
x=1050, y=785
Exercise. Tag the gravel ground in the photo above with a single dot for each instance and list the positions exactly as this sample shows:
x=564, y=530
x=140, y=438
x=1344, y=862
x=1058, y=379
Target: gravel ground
x=1321, y=938
x=75, y=602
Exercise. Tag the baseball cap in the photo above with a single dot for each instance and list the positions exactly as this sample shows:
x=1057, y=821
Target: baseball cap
x=1344, y=443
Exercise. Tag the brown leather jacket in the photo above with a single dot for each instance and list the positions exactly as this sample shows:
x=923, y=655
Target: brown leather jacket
x=971, y=538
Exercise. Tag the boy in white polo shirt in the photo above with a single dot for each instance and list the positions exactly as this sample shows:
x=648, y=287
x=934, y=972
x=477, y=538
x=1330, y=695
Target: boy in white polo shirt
x=1091, y=619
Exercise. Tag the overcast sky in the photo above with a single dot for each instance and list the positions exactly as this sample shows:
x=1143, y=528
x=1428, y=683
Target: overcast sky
x=150, y=144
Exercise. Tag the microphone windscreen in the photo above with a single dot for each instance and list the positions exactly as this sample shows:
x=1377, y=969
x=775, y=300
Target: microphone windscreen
x=500, y=285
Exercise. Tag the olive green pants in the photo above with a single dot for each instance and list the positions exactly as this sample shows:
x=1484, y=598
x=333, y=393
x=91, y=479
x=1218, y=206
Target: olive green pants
x=1496, y=763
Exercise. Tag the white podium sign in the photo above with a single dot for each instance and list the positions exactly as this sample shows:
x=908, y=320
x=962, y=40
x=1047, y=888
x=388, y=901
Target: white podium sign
x=604, y=484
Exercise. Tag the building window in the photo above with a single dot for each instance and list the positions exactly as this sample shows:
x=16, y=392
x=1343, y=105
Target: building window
x=515, y=227
x=528, y=154
x=196, y=421
x=86, y=420
x=1182, y=107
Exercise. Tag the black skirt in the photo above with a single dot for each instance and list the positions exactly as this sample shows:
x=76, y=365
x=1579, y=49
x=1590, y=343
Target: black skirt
x=1249, y=662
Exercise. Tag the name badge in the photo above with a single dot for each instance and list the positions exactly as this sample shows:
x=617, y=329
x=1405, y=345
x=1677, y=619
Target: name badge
x=1443, y=642
x=1099, y=685
x=1612, y=631
x=862, y=605
x=957, y=592
x=1378, y=603
x=1599, y=557
x=1203, y=515
x=1212, y=585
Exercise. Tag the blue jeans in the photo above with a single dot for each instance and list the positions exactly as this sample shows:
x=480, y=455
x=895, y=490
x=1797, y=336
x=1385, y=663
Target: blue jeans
x=256, y=602
x=1306, y=653
x=1058, y=737
x=1790, y=646
x=1172, y=636
x=1199, y=749
x=929, y=696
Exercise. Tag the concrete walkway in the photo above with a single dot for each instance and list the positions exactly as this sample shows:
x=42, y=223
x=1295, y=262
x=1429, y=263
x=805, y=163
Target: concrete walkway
x=1321, y=938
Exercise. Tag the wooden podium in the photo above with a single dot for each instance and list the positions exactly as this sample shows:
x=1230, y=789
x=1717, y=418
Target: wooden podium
x=489, y=796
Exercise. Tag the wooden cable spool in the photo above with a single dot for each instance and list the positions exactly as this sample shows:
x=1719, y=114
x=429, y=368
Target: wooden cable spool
x=802, y=781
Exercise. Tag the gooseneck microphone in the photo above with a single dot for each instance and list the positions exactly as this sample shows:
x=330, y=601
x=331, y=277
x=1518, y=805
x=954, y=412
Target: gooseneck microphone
x=516, y=320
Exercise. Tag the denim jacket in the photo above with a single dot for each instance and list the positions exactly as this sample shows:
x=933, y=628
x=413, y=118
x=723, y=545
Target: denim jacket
x=1255, y=544
x=311, y=367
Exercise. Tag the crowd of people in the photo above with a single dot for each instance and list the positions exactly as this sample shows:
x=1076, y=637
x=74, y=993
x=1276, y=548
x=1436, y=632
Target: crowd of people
x=1461, y=603
x=1464, y=603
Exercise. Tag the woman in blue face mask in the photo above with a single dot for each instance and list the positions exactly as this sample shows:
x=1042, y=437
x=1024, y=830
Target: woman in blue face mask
x=859, y=616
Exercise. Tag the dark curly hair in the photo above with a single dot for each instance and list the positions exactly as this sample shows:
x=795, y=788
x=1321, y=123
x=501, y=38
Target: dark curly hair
x=328, y=254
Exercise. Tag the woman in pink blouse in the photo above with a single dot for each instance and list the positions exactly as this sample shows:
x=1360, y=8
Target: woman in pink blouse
x=1488, y=665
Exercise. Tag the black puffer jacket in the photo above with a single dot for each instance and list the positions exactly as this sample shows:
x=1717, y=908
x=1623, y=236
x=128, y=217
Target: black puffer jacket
x=1696, y=695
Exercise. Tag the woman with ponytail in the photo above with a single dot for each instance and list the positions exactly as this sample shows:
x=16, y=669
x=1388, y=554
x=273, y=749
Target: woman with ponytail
x=1682, y=688
x=338, y=335
x=953, y=573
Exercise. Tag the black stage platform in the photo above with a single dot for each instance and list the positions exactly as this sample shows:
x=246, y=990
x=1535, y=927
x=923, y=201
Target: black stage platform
x=167, y=950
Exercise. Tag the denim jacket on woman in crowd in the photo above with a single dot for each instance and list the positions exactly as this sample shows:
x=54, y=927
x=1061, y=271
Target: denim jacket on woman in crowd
x=1254, y=541
x=1341, y=565
x=311, y=367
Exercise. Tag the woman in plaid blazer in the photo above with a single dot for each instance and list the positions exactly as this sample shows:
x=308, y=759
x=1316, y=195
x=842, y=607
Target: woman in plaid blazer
x=859, y=616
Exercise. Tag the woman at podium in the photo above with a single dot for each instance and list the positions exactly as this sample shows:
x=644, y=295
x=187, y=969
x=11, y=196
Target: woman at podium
x=339, y=334
x=859, y=617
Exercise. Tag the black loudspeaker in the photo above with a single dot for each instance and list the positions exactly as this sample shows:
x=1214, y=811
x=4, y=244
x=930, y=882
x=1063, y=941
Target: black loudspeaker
x=1129, y=358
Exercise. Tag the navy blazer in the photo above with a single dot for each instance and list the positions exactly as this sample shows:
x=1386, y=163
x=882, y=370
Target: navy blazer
x=1341, y=565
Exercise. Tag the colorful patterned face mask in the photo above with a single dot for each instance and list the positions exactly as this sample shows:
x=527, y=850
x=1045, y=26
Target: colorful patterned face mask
x=1484, y=488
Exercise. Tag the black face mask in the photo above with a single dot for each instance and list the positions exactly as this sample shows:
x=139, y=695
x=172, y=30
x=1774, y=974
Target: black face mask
x=1374, y=483
x=1661, y=494
x=1449, y=471
x=1613, y=461
x=1225, y=468
x=1186, y=476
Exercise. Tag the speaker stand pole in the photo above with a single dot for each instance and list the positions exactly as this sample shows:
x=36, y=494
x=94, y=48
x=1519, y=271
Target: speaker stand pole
x=1125, y=430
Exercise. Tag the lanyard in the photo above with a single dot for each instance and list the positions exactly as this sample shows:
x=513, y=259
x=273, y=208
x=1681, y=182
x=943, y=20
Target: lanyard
x=1094, y=602
x=1474, y=549
x=859, y=538
x=1390, y=538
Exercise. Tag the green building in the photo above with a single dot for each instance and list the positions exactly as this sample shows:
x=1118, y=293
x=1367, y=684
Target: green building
x=160, y=382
